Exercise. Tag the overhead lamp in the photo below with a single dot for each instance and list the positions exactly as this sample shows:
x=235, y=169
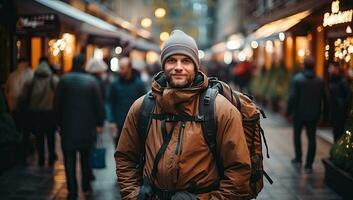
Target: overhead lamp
x=281, y=36
x=164, y=36
x=160, y=12
x=254, y=44
x=146, y=22
x=348, y=29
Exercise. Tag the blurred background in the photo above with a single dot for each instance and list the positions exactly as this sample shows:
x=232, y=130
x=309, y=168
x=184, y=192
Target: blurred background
x=256, y=46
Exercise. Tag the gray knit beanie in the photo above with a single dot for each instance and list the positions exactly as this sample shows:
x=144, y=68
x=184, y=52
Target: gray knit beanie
x=180, y=43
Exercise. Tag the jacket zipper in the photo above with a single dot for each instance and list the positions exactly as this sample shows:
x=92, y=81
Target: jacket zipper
x=180, y=136
x=178, y=148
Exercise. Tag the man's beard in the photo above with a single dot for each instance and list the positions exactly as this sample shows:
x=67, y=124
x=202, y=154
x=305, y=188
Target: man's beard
x=178, y=84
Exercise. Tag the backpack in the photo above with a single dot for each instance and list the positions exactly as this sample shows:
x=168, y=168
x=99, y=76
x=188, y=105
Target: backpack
x=250, y=120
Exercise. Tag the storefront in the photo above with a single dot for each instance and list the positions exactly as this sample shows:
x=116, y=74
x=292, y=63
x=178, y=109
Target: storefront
x=59, y=31
x=337, y=24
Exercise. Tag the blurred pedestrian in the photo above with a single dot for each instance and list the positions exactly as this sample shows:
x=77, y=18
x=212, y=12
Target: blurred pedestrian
x=22, y=76
x=79, y=112
x=41, y=97
x=339, y=99
x=98, y=69
x=242, y=75
x=174, y=160
x=16, y=95
x=123, y=92
x=307, y=95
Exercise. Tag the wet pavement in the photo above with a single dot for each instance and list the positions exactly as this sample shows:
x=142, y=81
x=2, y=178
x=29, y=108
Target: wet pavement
x=290, y=182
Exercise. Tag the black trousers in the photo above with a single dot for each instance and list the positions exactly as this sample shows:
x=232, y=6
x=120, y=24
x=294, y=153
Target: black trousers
x=70, y=170
x=49, y=137
x=310, y=127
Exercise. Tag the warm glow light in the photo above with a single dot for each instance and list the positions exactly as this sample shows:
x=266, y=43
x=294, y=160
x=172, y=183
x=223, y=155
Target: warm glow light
x=160, y=12
x=281, y=36
x=151, y=57
x=118, y=50
x=114, y=64
x=201, y=54
x=319, y=28
x=146, y=22
x=164, y=36
x=269, y=46
x=337, y=17
x=125, y=24
x=232, y=44
x=241, y=56
x=227, y=57
x=254, y=44
x=327, y=47
x=301, y=53
x=348, y=29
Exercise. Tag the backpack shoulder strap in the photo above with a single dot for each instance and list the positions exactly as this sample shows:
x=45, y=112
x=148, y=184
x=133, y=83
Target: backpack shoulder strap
x=144, y=121
x=209, y=126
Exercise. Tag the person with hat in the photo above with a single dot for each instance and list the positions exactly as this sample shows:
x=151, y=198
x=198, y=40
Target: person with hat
x=178, y=163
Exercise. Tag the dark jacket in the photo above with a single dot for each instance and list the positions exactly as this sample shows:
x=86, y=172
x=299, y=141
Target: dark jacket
x=122, y=94
x=339, y=98
x=307, y=96
x=79, y=110
x=187, y=160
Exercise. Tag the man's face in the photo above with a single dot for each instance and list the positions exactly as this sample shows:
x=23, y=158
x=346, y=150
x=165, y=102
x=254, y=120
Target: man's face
x=179, y=70
x=124, y=68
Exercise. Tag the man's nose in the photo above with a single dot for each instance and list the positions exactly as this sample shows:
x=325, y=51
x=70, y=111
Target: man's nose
x=178, y=66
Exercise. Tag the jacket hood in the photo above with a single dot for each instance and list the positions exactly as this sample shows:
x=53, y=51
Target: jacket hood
x=43, y=69
x=309, y=73
x=177, y=100
x=96, y=66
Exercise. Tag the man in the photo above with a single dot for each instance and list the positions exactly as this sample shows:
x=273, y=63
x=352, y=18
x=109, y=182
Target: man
x=186, y=169
x=79, y=111
x=306, y=97
x=123, y=92
x=340, y=96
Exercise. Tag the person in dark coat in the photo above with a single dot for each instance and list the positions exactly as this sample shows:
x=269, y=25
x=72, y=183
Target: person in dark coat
x=79, y=112
x=339, y=100
x=123, y=92
x=306, y=96
x=41, y=95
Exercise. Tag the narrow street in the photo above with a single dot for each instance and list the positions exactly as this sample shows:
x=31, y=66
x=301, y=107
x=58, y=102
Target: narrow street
x=290, y=182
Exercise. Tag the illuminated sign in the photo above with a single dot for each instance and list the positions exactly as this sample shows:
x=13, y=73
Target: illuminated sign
x=337, y=17
x=38, y=24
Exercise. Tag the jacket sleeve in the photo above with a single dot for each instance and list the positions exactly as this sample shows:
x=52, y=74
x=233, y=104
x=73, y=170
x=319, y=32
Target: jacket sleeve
x=57, y=104
x=98, y=104
x=292, y=97
x=234, y=154
x=111, y=103
x=127, y=155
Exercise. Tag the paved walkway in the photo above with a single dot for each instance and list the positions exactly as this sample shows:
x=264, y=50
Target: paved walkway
x=290, y=182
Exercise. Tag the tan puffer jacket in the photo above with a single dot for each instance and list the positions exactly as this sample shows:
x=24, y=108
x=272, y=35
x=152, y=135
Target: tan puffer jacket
x=187, y=158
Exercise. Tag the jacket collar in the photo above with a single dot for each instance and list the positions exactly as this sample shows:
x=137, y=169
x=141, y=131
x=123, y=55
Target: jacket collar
x=178, y=100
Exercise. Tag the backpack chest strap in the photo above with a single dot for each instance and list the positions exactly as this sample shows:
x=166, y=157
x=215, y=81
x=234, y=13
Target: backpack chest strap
x=178, y=118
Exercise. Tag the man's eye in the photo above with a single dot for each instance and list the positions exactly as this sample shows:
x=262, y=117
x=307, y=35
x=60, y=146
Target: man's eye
x=187, y=61
x=171, y=61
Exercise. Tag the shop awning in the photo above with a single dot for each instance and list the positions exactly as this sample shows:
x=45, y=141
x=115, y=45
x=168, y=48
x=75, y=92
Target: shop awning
x=90, y=24
x=278, y=26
